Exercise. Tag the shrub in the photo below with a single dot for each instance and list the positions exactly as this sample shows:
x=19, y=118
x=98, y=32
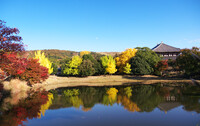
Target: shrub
x=16, y=86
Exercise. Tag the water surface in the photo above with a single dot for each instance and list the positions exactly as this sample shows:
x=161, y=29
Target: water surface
x=138, y=105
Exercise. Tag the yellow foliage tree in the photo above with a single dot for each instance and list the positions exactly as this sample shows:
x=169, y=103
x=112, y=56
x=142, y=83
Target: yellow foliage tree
x=43, y=61
x=111, y=68
x=84, y=52
x=109, y=64
x=124, y=58
x=127, y=68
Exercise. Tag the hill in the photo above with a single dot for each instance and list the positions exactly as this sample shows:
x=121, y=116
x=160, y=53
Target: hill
x=56, y=56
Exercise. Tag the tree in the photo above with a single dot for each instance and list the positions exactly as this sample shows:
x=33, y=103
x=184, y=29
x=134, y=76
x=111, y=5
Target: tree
x=43, y=61
x=83, y=53
x=127, y=68
x=111, y=68
x=55, y=68
x=144, y=61
x=188, y=61
x=108, y=64
x=9, y=41
x=162, y=66
x=124, y=58
x=96, y=65
x=71, y=68
x=139, y=66
x=86, y=68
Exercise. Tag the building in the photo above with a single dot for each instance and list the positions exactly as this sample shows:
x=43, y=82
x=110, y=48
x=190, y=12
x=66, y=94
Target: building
x=166, y=51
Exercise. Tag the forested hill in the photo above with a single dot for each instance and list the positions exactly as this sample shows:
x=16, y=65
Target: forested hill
x=56, y=56
x=55, y=53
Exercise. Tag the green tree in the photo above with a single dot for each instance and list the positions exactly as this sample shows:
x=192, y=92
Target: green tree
x=86, y=68
x=188, y=61
x=144, y=61
x=96, y=64
x=55, y=68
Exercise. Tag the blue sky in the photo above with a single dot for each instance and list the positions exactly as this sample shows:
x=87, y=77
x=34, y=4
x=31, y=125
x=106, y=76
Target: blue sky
x=103, y=25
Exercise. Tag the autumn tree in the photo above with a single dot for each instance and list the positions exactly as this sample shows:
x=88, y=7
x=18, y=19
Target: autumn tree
x=71, y=68
x=161, y=66
x=108, y=64
x=9, y=41
x=83, y=53
x=43, y=61
x=127, y=68
x=124, y=58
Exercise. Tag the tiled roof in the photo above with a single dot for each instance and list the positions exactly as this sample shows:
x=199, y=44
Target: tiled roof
x=165, y=48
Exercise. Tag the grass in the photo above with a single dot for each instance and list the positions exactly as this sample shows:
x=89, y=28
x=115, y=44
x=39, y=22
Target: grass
x=107, y=80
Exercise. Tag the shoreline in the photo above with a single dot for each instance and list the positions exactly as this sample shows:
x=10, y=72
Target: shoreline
x=54, y=82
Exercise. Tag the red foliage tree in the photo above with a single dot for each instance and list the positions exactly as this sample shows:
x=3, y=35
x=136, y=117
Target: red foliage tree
x=13, y=62
x=9, y=41
x=162, y=66
x=34, y=72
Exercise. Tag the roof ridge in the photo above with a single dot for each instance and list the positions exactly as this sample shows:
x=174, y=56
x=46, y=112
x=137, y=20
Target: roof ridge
x=158, y=45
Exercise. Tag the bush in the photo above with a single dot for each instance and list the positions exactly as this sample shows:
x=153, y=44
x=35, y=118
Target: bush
x=86, y=68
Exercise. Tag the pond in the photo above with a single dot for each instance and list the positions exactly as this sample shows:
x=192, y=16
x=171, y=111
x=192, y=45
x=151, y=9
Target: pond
x=138, y=105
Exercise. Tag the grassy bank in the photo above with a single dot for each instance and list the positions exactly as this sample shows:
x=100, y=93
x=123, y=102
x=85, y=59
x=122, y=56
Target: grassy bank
x=108, y=80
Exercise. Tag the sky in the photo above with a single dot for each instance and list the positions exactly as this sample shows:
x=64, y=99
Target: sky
x=103, y=25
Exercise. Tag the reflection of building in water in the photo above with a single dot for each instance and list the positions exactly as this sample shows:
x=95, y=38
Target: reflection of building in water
x=166, y=106
x=170, y=98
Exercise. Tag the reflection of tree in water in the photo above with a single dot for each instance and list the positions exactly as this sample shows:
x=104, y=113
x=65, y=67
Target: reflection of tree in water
x=127, y=103
x=46, y=106
x=27, y=108
x=91, y=95
x=191, y=98
x=72, y=96
x=143, y=98
x=146, y=97
x=110, y=97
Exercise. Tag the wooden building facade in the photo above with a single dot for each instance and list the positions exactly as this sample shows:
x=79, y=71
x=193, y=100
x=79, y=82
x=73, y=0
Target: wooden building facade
x=166, y=51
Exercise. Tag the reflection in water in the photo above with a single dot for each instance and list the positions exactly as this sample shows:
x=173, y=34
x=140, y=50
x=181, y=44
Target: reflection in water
x=15, y=110
x=137, y=98
x=46, y=106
